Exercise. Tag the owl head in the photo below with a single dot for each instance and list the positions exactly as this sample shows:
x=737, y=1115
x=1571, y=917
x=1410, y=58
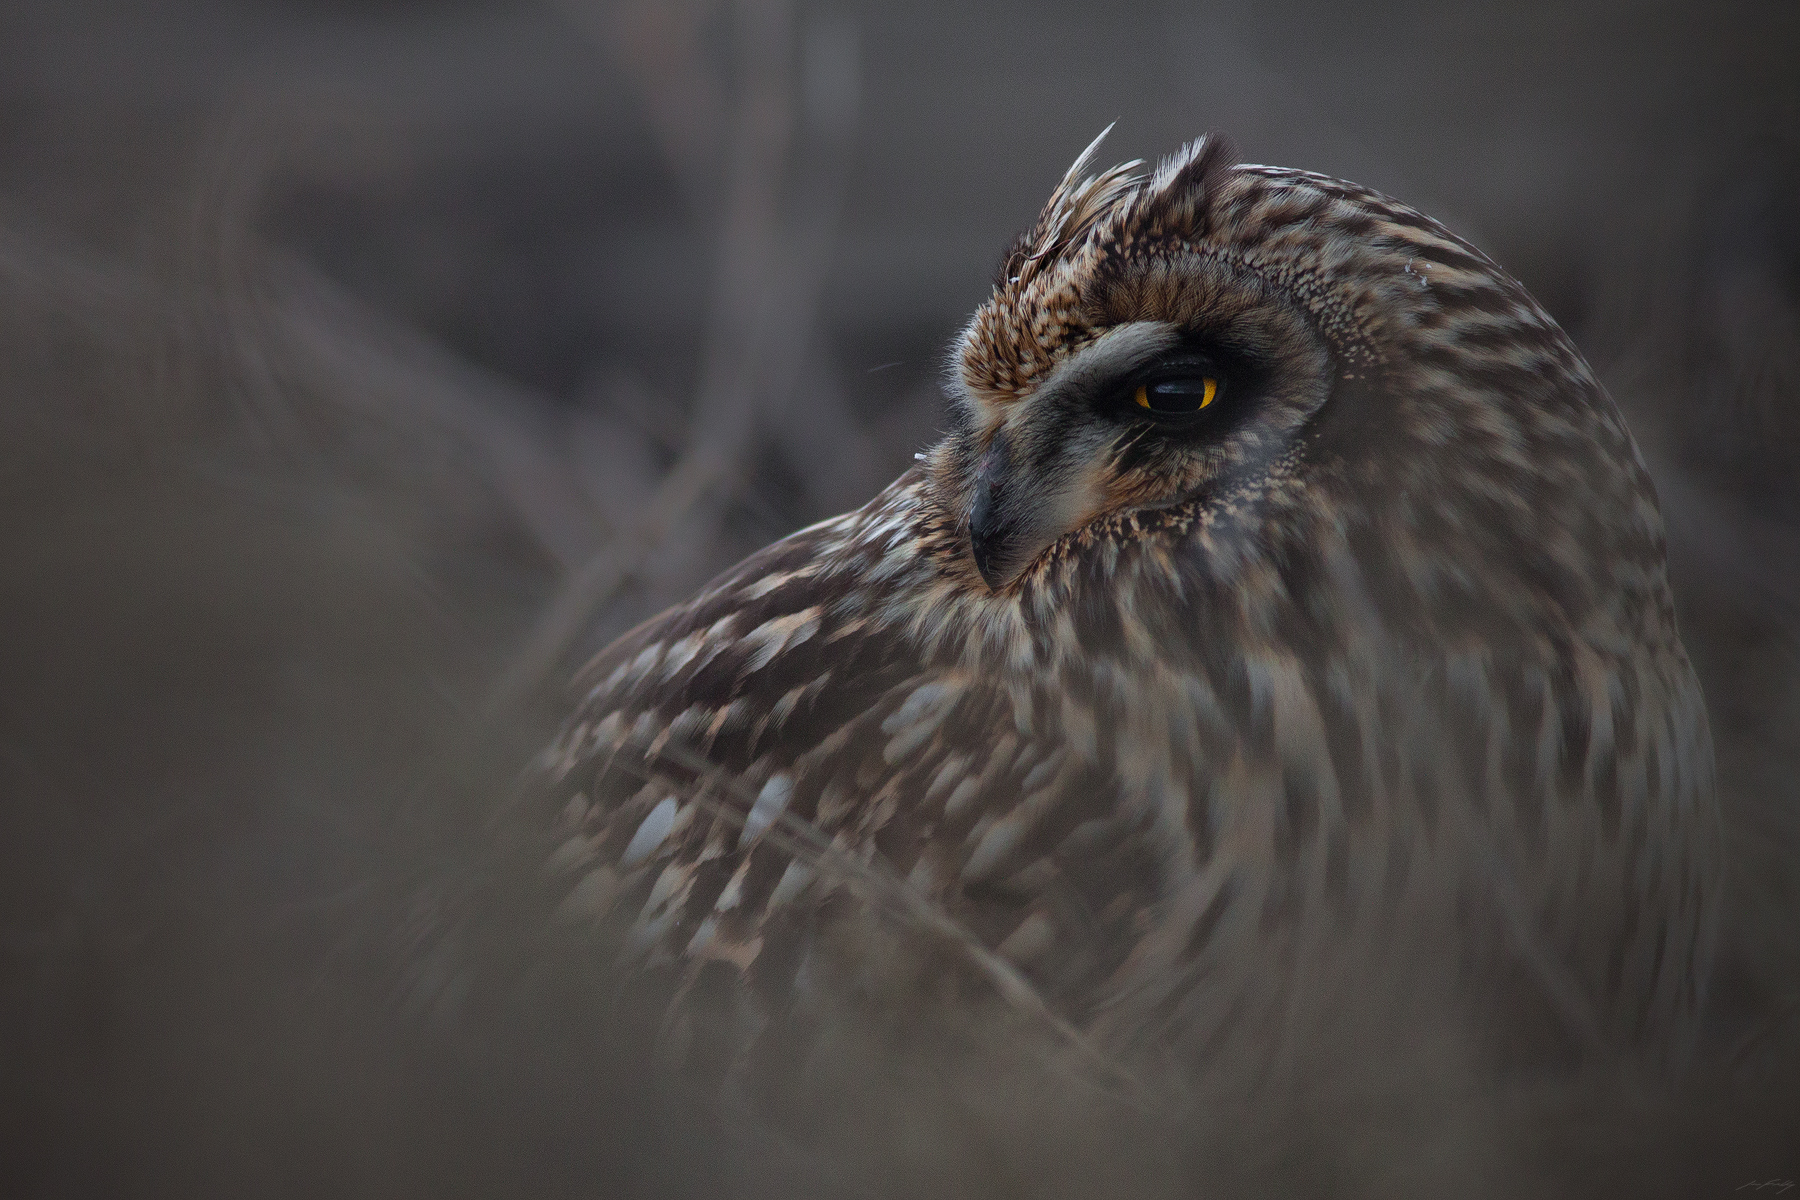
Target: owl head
x=1208, y=333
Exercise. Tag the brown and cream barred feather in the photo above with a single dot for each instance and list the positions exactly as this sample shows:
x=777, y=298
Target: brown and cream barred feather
x=1386, y=670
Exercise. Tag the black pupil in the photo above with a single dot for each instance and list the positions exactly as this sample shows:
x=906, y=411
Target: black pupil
x=1176, y=395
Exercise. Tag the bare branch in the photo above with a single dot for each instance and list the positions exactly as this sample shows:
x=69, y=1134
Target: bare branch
x=763, y=308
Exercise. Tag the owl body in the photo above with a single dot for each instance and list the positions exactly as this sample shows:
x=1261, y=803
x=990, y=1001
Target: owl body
x=1283, y=618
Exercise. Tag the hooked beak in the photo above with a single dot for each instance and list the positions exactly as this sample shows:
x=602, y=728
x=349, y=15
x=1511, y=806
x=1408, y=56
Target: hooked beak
x=1044, y=470
x=989, y=526
x=1017, y=510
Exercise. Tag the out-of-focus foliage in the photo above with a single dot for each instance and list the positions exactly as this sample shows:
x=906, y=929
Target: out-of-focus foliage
x=365, y=366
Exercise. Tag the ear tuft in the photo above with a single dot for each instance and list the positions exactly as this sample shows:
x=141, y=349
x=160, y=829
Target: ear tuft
x=1074, y=208
x=1176, y=196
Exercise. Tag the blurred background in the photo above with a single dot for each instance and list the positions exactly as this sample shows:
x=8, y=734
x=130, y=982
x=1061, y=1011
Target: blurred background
x=367, y=364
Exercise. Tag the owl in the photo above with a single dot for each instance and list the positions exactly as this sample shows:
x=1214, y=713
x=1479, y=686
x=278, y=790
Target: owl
x=1283, y=618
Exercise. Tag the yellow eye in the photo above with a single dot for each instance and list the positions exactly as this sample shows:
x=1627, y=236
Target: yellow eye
x=1178, y=395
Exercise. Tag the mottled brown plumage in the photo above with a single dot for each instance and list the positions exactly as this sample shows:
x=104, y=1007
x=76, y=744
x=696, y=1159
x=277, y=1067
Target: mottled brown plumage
x=1367, y=674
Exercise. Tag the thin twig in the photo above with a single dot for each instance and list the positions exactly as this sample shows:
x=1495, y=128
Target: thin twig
x=898, y=899
x=328, y=336
x=1786, y=1013
x=764, y=298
